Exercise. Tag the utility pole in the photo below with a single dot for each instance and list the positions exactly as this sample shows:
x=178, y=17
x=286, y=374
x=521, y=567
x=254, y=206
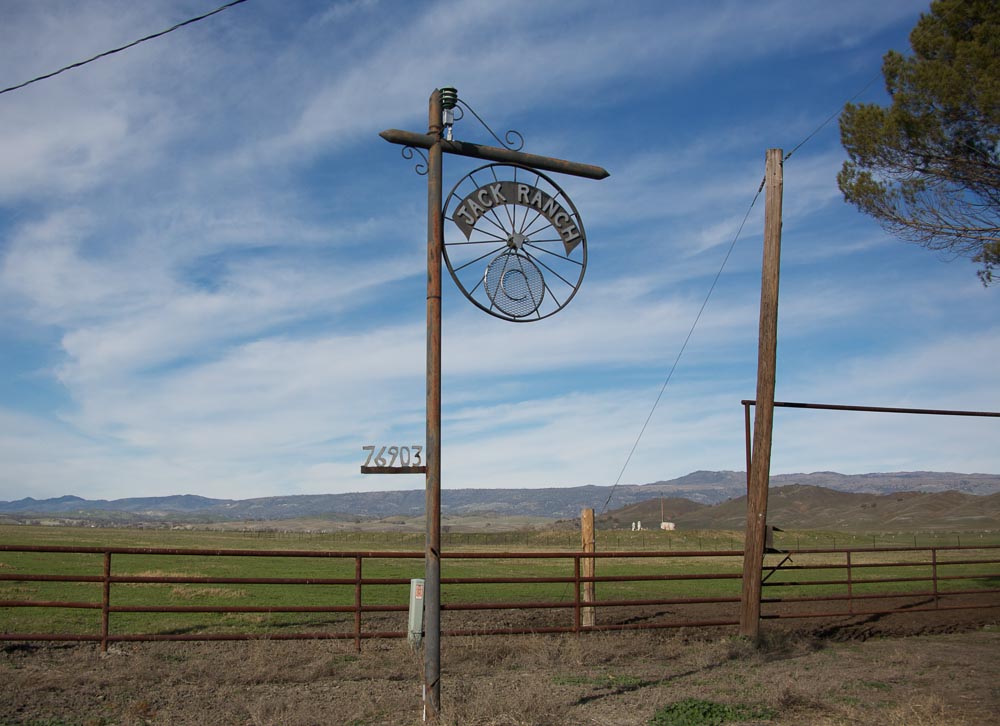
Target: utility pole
x=759, y=470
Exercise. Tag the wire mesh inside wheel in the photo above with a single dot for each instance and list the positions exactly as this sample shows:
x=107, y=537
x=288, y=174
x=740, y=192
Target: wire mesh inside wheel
x=514, y=284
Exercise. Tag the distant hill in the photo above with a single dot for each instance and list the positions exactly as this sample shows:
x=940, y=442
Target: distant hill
x=907, y=481
x=803, y=506
x=700, y=487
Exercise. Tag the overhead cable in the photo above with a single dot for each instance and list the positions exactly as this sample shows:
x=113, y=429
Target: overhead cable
x=124, y=47
x=729, y=252
x=677, y=360
x=831, y=117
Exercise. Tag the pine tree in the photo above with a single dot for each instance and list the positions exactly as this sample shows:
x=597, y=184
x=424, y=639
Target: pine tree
x=928, y=166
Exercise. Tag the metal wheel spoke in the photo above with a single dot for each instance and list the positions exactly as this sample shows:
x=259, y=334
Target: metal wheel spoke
x=554, y=254
x=531, y=229
x=535, y=240
x=491, y=210
x=499, y=222
x=494, y=235
x=498, y=226
x=526, y=225
x=558, y=304
x=496, y=238
x=535, y=259
x=483, y=256
x=507, y=207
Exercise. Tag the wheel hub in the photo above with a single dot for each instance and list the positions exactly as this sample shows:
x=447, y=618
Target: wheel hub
x=516, y=241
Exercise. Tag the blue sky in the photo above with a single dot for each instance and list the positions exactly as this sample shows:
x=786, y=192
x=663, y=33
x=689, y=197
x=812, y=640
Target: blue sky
x=212, y=268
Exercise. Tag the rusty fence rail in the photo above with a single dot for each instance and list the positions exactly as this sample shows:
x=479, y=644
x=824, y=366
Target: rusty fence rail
x=929, y=578
x=937, y=582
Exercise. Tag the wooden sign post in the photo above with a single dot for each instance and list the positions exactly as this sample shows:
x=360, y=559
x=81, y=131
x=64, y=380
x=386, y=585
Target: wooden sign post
x=437, y=144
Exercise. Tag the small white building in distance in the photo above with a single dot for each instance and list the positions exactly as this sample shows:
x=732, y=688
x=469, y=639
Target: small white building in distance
x=669, y=526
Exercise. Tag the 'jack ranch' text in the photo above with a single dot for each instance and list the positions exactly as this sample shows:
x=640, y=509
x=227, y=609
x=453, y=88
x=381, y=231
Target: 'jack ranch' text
x=498, y=194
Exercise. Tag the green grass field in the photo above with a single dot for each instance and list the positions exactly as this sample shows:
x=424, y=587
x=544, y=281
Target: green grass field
x=867, y=566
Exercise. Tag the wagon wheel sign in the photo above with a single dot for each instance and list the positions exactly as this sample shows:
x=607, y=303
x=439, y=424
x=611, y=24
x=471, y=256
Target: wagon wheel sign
x=517, y=248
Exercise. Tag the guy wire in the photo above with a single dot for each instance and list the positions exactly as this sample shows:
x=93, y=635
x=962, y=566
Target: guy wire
x=711, y=289
x=716, y=280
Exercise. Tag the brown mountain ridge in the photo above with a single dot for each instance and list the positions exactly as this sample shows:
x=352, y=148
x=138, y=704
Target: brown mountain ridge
x=804, y=506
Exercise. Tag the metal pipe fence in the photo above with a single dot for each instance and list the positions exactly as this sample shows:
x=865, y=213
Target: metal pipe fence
x=930, y=583
x=805, y=584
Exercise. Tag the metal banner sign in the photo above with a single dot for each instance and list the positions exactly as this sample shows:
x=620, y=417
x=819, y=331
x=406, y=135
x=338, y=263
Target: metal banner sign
x=522, y=250
x=481, y=200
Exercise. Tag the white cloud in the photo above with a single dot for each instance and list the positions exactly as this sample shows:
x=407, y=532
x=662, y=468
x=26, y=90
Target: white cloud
x=207, y=226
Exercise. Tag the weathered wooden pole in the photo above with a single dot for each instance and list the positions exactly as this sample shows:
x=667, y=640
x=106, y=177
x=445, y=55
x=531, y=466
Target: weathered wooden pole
x=588, y=542
x=432, y=554
x=436, y=146
x=760, y=460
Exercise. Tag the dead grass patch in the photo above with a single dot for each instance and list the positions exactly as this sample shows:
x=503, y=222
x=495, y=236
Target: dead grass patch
x=772, y=645
x=187, y=592
x=491, y=703
x=151, y=573
x=7, y=590
x=245, y=618
x=597, y=678
x=161, y=573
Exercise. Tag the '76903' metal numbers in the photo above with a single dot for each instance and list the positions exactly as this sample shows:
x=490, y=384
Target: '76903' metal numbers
x=397, y=456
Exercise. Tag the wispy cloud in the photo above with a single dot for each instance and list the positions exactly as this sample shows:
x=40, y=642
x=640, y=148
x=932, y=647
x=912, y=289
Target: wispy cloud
x=230, y=262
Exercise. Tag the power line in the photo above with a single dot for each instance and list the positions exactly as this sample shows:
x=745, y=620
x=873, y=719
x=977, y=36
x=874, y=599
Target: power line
x=831, y=117
x=697, y=318
x=677, y=360
x=124, y=47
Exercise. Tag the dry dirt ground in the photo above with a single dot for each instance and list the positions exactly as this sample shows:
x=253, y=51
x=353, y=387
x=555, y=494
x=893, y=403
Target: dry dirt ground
x=915, y=669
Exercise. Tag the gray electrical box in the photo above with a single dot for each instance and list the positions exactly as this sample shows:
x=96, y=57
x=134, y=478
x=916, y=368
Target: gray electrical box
x=415, y=632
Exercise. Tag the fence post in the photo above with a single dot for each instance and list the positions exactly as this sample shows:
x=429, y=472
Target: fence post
x=588, y=545
x=106, y=603
x=357, y=604
x=850, y=585
x=576, y=594
x=934, y=575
